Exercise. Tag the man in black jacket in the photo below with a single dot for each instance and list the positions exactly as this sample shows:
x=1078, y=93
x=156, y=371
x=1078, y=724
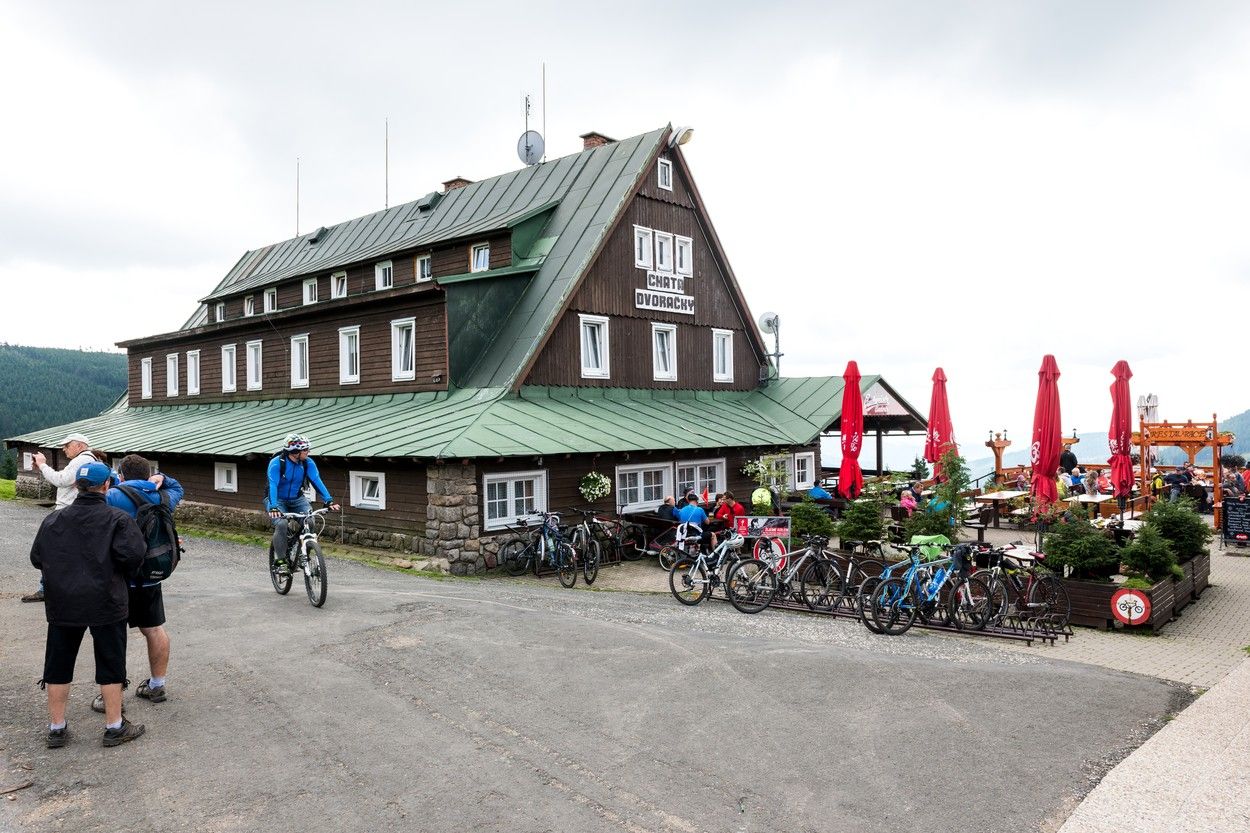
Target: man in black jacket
x=86, y=551
x=1067, y=460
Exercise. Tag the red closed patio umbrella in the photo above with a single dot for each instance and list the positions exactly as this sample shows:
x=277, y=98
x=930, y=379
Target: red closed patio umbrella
x=941, y=433
x=850, y=476
x=1044, y=453
x=1120, y=435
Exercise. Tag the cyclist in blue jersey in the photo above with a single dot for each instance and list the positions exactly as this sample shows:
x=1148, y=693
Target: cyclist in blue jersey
x=693, y=515
x=288, y=474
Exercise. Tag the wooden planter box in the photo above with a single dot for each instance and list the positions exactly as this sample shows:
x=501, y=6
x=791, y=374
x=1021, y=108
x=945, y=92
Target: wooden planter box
x=1183, y=592
x=1091, y=603
x=1202, y=573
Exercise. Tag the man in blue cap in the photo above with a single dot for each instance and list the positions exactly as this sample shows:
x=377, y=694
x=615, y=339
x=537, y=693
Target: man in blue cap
x=87, y=551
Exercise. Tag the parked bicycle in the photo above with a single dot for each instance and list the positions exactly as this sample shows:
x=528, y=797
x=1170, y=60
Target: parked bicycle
x=937, y=591
x=585, y=540
x=1019, y=585
x=303, y=553
x=691, y=579
x=754, y=583
x=835, y=581
x=546, y=544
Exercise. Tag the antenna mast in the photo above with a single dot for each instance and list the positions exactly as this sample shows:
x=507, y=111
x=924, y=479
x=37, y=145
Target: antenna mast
x=297, y=196
x=544, y=105
x=386, y=165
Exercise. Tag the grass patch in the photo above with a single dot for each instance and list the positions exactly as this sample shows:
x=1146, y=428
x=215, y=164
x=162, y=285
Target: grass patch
x=1246, y=649
x=8, y=489
x=249, y=538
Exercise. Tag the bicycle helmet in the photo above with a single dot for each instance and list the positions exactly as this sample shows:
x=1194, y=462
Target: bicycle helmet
x=296, y=442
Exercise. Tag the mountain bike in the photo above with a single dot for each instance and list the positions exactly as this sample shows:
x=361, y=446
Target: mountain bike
x=934, y=591
x=586, y=544
x=830, y=583
x=628, y=541
x=754, y=583
x=303, y=553
x=691, y=579
x=1020, y=586
x=545, y=545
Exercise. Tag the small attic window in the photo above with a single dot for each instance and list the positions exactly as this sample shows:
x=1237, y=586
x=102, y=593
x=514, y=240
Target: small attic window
x=666, y=174
x=316, y=236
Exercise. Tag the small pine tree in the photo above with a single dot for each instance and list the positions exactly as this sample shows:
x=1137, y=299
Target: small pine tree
x=919, y=469
x=8, y=465
x=1150, y=555
x=862, y=520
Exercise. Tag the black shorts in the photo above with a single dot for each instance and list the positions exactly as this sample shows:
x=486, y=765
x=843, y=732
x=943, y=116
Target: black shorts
x=61, y=652
x=147, y=607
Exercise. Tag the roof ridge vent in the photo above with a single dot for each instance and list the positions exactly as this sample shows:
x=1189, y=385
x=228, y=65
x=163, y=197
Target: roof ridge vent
x=315, y=237
x=429, y=201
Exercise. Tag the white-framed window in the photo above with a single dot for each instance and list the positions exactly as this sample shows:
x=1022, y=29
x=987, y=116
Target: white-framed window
x=299, y=361
x=804, y=471
x=595, y=364
x=644, y=251
x=145, y=378
x=383, y=275
x=479, y=257
x=513, y=495
x=722, y=355
x=403, y=349
x=249, y=305
x=226, y=477
x=193, y=373
x=255, y=353
x=664, y=352
x=424, y=269
x=28, y=461
x=271, y=299
x=700, y=475
x=663, y=251
x=665, y=168
x=310, y=291
x=349, y=355
x=229, y=368
x=338, y=285
x=644, y=486
x=171, y=374
x=368, y=489
x=684, y=249
x=221, y=311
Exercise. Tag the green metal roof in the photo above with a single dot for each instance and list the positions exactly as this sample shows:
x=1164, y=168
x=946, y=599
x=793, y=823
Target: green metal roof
x=465, y=423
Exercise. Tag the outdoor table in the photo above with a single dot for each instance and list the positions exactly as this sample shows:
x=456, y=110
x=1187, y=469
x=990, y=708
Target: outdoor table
x=996, y=499
x=1093, y=500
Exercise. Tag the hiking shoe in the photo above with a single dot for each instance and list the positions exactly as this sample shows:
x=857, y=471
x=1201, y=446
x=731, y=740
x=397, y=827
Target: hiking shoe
x=283, y=567
x=145, y=690
x=37, y=596
x=126, y=732
x=97, y=705
x=58, y=737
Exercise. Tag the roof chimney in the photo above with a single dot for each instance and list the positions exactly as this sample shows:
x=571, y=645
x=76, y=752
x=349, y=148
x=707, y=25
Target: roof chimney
x=456, y=182
x=594, y=140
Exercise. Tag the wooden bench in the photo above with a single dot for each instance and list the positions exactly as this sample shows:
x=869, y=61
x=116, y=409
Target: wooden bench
x=980, y=522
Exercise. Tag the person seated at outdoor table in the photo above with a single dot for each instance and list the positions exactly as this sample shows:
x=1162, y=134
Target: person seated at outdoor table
x=727, y=509
x=817, y=493
x=1077, y=486
x=1174, y=481
x=1231, y=485
x=908, y=502
x=1022, y=481
x=692, y=514
x=1062, y=481
x=1104, y=483
x=666, y=510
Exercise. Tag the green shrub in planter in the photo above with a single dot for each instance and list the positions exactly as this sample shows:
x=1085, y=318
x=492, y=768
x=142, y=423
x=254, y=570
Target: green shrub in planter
x=1181, y=525
x=1150, y=555
x=807, y=518
x=1079, y=545
x=861, y=521
x=922, y=522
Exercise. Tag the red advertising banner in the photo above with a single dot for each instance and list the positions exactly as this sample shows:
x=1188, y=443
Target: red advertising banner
x=761, y=527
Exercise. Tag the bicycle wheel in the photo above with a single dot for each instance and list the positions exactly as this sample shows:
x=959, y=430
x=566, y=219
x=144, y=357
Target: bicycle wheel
x=566, y=564
x=821, y=587
x=764, y=547
x=282, y=584
x=669, y=556
x=512, y=556
x=315, y=575
x=970, y=604
x=633, y=542
x=688, y=581
x=1049, y=596
x=590, y=562
x=862, y=605
x=934, y=611
x=751, y=585
x=999, y=597
x=893, y=607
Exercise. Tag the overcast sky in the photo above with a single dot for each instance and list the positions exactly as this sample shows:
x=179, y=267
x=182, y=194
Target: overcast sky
x=970, y=185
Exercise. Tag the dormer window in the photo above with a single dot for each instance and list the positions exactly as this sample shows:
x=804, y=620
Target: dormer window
x=310, y=291
x=338, y=285
x=384, y=275
x=425, y=269
x=249, y=305
x=271, y=299
x=665, y=168
x=221, y=311
x=479, y=257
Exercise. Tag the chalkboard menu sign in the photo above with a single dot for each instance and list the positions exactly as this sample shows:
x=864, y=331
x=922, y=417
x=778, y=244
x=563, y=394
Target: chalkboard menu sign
x=1237, y=520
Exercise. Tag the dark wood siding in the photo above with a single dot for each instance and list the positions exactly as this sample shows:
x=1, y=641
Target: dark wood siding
x=680, y=195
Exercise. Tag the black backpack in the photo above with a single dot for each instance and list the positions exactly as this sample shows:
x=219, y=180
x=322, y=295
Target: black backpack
x=264, y=489
x=156, y=522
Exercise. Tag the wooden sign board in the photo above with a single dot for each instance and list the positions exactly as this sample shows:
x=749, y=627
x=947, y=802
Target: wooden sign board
x=1236, y=522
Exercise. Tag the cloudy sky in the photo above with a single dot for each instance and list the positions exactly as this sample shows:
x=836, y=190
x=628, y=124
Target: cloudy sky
x=970, y=185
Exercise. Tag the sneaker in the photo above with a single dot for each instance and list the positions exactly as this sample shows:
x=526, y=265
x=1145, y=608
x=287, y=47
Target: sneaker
x=37, y=596
x=97, y=705
x=283, y=567
x=145, y=690
x=58, y=737
x=126, y=732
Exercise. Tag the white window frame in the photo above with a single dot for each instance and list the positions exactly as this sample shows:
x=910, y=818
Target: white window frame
x=357, y=490
x=271, y=299
x=601, y=323
x=666, y=485
x=171, y=375
x=232, y=351
x=226, y=477
x=310, y=291
x=338, y=285
x=683, y=250
x=720, y=484
x=656, y=373
x=221, y=311
x=664, y=166
x=510, y=478
x=346, y=378
x=727, y=337
x=249, y=305
x=258, y=382
x=383, y=275
x=644, y=247
x=145, y=378
x=297, y=343
x=397, y=373
x=473, y=257
x=810, y=458
x=423, y=268
x=663, y=237
x=193, y=373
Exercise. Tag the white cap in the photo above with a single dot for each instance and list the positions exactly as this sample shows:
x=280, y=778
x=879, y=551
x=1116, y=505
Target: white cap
x=75, y=438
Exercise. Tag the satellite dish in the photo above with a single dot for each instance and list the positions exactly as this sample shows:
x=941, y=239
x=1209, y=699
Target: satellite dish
x=530, y=147
x=769, y=322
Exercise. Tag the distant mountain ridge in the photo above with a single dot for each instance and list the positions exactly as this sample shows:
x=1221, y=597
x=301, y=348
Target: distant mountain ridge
x=42, y=386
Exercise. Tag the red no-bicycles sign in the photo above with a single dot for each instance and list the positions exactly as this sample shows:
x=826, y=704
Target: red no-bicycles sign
x=1132, y=607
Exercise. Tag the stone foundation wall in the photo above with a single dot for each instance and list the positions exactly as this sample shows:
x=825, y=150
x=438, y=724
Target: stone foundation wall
x=453, y=526
x=34, y=487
